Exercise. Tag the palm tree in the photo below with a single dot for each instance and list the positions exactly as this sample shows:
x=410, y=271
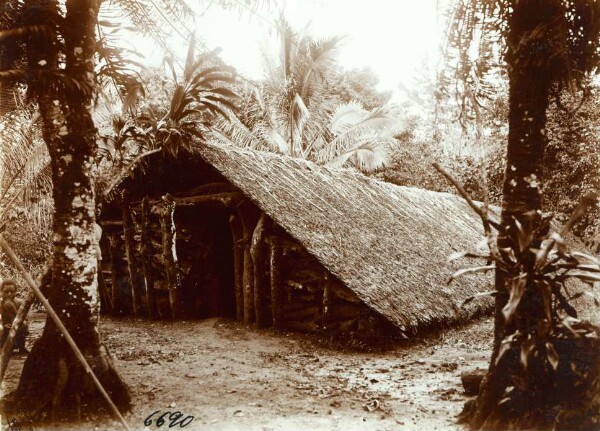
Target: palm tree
x=196, y=100
x=294, y=110
x=50, y=47
x=548, y=45
x=58, y=49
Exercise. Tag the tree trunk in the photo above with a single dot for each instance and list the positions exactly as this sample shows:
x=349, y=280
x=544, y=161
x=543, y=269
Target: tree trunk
x=53, y=381
x=512, y=396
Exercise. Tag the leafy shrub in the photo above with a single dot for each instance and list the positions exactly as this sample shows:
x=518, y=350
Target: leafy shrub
x=537, y=265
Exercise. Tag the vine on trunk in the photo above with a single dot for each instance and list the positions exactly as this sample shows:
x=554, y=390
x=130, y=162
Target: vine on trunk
x=543, y=374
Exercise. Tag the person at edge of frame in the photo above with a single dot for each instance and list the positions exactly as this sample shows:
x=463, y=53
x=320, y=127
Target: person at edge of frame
x=9, y=305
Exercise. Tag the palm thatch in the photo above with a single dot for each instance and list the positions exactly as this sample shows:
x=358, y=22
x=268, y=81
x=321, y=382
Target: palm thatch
x=389, y=244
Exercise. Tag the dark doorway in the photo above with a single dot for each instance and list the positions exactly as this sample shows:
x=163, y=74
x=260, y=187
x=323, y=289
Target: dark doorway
x=205, y=253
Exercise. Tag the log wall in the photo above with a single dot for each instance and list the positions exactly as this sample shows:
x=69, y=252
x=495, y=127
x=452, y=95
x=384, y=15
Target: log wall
x=210, y=252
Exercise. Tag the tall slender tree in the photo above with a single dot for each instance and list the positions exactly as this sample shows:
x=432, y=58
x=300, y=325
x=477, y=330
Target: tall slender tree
x=51, y=47
x=549, y=45
x=58, y=43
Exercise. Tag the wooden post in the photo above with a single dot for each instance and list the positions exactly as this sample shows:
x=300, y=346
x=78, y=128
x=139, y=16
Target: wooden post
x=258, y=263
x=275, y=276
x=248, y=272
x=248, y=277
x=237, y=236
x=106, y=304
x=169, y=254
x=146, y=252
x=128, y=231
x=115, y=298
x=228, y=199
x=326, y=301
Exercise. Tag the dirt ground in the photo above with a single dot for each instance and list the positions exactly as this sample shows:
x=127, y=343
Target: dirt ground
x=230, y=377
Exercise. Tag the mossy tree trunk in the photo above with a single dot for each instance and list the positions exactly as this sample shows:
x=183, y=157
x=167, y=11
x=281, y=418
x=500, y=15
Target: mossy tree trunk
x=52, y=381
x=513, y=396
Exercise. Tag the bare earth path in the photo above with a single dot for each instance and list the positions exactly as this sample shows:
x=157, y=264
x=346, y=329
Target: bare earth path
x=230, y=377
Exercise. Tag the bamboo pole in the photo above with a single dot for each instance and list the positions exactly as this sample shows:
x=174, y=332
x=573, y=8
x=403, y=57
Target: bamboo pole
x=61, y=327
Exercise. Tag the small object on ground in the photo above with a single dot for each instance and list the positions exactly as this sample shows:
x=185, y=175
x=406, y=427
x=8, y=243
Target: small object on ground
x=372, y=405
x=471, y=380
x=448, y=366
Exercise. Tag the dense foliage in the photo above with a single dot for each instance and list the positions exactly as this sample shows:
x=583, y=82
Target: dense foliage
x=573, y=142
x=304, y=108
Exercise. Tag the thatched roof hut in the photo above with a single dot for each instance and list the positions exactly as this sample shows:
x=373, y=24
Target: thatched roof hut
x=388, y=244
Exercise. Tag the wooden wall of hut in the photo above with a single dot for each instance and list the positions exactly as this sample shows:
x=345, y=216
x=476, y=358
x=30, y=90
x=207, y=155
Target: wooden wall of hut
x=115, y=278
x=308, y=298
x=209, y=252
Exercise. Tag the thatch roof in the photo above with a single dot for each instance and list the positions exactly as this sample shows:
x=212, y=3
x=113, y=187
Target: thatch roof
x=389, y=244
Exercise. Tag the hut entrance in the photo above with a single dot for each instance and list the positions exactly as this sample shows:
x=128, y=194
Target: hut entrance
x=205, y=250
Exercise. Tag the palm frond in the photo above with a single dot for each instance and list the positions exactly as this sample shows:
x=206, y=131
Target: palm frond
x=115, y=62
x=288, y=44
x=374, y=125
x=300, y=115
x=345, y=115
x=318, y=61
x=367, y=156
x=234, y=132
x=293, y=112
x=25, y=175
x=142, y=13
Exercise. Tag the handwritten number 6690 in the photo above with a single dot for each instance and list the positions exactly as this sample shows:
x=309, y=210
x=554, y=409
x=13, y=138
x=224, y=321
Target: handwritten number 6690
x=173, y=418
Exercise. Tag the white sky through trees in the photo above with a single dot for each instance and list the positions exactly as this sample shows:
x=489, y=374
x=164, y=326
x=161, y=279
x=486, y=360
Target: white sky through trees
x=396, y=38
